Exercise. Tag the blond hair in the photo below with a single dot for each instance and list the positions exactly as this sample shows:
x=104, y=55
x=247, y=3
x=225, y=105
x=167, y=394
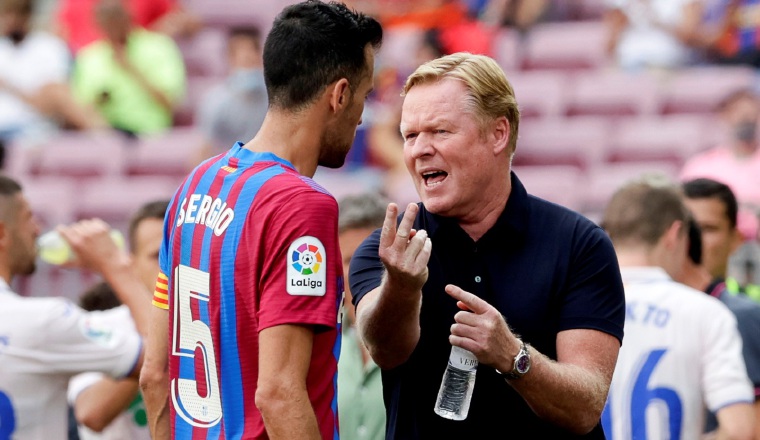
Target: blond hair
x=490, y=95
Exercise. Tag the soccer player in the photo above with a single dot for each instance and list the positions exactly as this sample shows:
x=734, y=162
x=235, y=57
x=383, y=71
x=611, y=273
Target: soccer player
x=251, y=275
x=46, y=341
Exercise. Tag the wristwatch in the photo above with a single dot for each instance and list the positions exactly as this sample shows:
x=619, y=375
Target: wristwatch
x=521, y=365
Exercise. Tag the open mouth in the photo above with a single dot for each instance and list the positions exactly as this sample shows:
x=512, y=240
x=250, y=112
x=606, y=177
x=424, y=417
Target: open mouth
x=433, y=178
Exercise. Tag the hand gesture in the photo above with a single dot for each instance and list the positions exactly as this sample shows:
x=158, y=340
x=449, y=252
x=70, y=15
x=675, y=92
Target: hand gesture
x=404, y=252
x=481, y=329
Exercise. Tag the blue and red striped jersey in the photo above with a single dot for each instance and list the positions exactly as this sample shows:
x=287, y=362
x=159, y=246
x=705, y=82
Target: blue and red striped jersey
x=248, y=244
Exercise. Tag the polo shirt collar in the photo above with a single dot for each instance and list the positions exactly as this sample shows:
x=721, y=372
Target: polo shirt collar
x=512, y=222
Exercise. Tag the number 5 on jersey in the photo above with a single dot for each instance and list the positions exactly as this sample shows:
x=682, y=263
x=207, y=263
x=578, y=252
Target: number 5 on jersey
x=197, y=401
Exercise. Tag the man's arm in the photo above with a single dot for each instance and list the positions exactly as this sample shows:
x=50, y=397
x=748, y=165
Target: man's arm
x=388, y=316
x=154, y=378
x=736, y=422
x=100, y=403
x=570, y=392
x=281, y=394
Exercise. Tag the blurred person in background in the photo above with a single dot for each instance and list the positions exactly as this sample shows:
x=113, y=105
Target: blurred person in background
x=105, y=408
x=653, y=34
x=682, y=352
x=730, y=32
x=77, y=25
x=44, y=341
x=35, y=97
x=360, y=389
x=746, y=311
x=737, y=162
x=234, y=109
x=134, y=77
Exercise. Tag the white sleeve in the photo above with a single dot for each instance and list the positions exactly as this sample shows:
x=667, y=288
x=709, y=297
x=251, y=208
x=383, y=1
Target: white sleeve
x=724, y=375
x=78, y=341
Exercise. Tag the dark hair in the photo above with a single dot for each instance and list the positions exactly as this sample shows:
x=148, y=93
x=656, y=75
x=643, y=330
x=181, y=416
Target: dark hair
x=156, y=210
x=712, y=189
x=640, y=213
x=9, y=186
x=313, y=44
x=22, y=7
x=735, y=96
x=695, y=242
x=250, y=32
x=99, y=297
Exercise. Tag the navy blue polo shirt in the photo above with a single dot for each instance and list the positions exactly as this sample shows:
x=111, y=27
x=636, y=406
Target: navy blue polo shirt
x=544, y=267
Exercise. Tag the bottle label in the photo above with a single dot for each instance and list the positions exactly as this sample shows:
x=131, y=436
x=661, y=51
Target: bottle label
x=462, y=359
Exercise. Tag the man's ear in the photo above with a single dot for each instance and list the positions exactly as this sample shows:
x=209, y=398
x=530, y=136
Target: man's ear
x=501, y=133
x=673, y=234
x=339, y=94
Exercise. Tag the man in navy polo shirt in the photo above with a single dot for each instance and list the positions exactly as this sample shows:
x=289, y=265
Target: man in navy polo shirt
x=531, y=288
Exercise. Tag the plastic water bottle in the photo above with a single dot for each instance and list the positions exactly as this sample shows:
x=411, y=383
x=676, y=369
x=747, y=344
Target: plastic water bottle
x=456, y=387
x=53, y=249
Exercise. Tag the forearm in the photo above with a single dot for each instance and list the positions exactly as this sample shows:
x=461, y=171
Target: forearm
x=131, y=292
x=736, y=422
x=289, y=415
x=155, y=390
x=567, y=395
x=99, y=404
x=389, y=323
x=154, y=92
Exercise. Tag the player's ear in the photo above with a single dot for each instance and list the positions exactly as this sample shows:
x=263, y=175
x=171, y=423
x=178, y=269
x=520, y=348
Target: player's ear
x=340, y=93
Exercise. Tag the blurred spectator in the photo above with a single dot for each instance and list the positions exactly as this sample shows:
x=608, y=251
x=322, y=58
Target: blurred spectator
x=737, y=163
x=746, y=311
x=731, y=30
x=77, y=24
x=134, y=77
x=34, y=66
x=653, y=34
x=114, y=408
x=744, y=270
x=518, y=14
x=360, y=389
x=682, y=350
x=234, y=109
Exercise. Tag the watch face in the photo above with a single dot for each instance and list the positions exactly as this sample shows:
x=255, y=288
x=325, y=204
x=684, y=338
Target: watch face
x=522, y=364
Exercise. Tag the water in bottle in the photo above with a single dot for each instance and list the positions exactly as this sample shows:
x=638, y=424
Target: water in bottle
x=53, y=249
x=456, y=387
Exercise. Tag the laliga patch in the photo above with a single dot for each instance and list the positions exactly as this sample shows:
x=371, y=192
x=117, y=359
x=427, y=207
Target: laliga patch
x=97, y=332
x=307, y=267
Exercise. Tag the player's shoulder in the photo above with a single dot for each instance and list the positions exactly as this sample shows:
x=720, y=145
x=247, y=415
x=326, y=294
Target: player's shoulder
x=293, y=188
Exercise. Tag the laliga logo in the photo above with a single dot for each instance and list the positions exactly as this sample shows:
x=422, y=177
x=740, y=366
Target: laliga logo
x=307, y=259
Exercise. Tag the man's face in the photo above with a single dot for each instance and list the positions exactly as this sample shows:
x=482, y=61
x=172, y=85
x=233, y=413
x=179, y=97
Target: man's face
x=147, y=242
x=14, y=25
x=449, y=158
x=337, y=141
x=742, y=117
x=244, y=53
x=22, y=232
x=349, y=241
x=719, y=239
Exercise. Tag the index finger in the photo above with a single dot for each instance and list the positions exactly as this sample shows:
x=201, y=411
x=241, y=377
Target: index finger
x=470, y=300
x=405, y=227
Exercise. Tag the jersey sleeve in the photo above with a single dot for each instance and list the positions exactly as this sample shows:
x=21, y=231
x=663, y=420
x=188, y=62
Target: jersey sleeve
x=594, y=298
x=301, y=276
x=366, y=269
x=78, y=341
x=724, y=375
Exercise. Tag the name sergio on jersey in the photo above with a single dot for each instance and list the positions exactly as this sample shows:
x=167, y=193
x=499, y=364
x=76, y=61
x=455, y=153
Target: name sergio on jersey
x=201, y=209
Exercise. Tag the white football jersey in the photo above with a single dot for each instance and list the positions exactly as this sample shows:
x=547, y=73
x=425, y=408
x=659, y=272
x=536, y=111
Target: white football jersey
x=43, y=343
x=681, y=353
x=132, y=424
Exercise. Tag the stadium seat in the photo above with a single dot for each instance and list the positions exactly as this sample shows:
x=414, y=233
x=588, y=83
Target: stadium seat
x=51, y=199
x=74, y=154
x=559, y=184
x=539, y=93
x=197, y=87
x=579, y=142
x=173, y=153
x=566, y=45
x=507, y=49
x=205, y=52
x=670, y=138
x=611, y=92
x=701, y=89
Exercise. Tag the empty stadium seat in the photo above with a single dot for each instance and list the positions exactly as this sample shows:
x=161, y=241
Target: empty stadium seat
x=116, y=199
x=566, y=45
x=173, y=153
x=559, y=184
x=612, y=92
x=579, y=142
x=701, y=89
x=539, y=93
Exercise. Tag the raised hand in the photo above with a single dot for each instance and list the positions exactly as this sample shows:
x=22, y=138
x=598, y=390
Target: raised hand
x=404, y=251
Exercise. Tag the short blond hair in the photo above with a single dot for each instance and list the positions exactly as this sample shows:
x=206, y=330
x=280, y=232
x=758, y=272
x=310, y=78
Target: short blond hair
x=490, y=93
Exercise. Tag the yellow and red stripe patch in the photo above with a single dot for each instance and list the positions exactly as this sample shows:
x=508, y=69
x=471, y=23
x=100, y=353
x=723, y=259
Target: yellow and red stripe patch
x=161, y=294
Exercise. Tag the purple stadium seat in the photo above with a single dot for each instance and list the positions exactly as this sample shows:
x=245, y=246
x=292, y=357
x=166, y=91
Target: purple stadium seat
x=51, y=199
x=701, y=89
x=79, y=155
x=539, y=93
x=205, y=53
x=566, y=45
x=173, y=153
x=612, y=92
x=116, y=199
x=671, y=138
x=507, y=48
x=197, y=87
x=578, y=142
x=556, y=183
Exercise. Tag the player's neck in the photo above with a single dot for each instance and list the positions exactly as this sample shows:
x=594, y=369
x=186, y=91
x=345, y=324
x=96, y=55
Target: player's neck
x=292, y=137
